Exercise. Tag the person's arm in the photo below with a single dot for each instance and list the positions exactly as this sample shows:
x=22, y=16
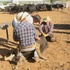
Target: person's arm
x=15, y=35
x=35, y=34
x=45, y=34
x=40, y=28
x=37, y=38
x=51, y=28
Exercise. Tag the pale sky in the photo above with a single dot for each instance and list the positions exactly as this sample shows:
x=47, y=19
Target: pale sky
x=22, y=0
x=5, y=0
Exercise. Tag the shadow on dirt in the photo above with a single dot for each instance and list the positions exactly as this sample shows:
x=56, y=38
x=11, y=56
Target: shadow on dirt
x=61, y=32
x=62, y=26
x=7, y=44
x=3, y=53
x=10, y=50
x=57, y=26
x=67, y=41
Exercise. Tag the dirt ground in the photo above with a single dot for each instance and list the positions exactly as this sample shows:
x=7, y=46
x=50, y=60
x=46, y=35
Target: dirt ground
x=57, y=53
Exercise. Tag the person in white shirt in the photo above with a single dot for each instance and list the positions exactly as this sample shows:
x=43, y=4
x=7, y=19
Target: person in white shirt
x=17, y=19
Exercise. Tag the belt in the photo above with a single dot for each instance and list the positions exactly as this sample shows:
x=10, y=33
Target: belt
x=25, y=47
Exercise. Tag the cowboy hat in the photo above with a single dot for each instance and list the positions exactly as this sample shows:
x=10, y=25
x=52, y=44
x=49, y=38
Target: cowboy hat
x=24, y=15
x=46, y=19
x=18, y=16
x=37, y=17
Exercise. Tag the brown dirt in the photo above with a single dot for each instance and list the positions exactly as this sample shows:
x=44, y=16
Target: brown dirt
x=57, y=53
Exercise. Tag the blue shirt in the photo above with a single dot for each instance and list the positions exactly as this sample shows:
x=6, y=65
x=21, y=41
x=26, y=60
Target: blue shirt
x=14, y=24
x=25, y=33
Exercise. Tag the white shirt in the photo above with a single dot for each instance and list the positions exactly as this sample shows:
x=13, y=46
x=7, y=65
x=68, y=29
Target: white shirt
x=29, y=19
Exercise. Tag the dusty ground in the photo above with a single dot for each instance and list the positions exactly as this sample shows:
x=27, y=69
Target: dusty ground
x=57, y=53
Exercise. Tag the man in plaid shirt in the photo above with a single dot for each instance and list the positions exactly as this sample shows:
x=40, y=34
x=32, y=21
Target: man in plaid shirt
x=25, y=33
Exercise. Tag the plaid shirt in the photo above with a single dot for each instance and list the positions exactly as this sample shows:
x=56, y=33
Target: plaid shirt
x=26, y=33
x=46, y=28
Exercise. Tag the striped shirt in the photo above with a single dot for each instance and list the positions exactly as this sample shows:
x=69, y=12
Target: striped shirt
x=25, y=33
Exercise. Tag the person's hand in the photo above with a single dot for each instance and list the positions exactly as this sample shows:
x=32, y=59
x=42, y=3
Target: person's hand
x=45, y=34
x=37, y=37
